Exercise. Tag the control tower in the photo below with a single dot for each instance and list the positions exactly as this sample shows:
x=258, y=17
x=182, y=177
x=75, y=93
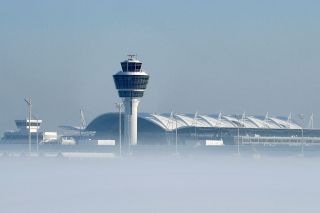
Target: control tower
x=131, y=83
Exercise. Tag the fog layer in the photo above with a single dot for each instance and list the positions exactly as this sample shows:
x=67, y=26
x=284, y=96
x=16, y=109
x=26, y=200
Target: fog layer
x=148, y=184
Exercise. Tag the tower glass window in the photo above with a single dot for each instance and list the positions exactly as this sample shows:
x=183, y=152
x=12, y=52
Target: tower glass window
x=128, y=66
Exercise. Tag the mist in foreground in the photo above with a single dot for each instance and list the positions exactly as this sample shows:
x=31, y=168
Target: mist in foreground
x=162, y=184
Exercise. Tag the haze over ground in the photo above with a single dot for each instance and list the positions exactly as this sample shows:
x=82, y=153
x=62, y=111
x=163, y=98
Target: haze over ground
x=210, y=56
x=149, y=184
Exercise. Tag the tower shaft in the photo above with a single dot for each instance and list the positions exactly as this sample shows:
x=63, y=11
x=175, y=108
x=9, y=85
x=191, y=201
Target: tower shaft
x=130, y=121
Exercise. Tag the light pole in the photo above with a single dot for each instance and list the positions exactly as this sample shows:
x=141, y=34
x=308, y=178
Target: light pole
x=238, y=141
x=128, y=137
x=38, y=136
x=238, y=147
x=37, y=132
x=30, y=105
x=119, y=106
x=301, y=116
x=176, y=145
x=176, y=136
x=195, y=126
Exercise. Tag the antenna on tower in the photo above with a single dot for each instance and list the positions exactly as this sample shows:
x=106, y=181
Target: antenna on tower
x=132, y=56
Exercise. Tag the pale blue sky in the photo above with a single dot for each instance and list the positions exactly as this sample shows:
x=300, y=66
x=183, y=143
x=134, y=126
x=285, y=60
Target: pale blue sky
x=210, y=56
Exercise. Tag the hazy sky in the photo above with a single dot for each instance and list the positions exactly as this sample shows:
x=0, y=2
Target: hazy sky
x=210, y=56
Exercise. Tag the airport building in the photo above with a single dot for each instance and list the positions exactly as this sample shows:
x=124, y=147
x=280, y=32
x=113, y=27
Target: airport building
x=132, y=128
x=188, y=129
x=21, y=133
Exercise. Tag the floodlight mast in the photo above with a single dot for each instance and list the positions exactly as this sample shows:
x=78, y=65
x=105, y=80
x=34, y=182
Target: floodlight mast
x=195, y=119
x=310, y=125
x=131, y=83
x=29, y=103
x=176, y=130
x=301, y=116
x=37, y=132
x=119, y=106
x=239, y=124
x=83, y=120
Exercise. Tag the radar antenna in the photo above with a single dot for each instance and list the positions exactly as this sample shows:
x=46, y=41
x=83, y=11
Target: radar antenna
x=132, y=56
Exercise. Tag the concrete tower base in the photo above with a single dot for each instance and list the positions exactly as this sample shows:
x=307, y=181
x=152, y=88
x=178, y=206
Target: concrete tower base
x=130, y=120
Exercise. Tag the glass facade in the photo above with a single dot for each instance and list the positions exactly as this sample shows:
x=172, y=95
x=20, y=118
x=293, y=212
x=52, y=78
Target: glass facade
x=131, y=66
x=24, y=123
x=131, y=82
x=134, y=94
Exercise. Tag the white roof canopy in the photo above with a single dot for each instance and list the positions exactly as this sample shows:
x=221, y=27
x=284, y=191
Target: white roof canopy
x=172, y=121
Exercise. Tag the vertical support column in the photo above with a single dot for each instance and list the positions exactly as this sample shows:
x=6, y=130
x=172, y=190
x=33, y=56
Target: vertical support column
x=130, y=121
x=134, y=121
x=126, y=127
x=29, y=130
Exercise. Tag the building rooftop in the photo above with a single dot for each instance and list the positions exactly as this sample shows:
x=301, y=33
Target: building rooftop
x=171, y=121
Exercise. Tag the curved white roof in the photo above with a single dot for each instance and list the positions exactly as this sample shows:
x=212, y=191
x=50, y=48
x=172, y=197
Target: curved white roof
x=263, y=123
x=216, y=122
x=170, y=122
x=285, y=124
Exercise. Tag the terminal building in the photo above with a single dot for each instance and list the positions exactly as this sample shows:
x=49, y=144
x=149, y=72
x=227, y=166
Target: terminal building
x=21, y=133
x=173, y=128
x=166, y=128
